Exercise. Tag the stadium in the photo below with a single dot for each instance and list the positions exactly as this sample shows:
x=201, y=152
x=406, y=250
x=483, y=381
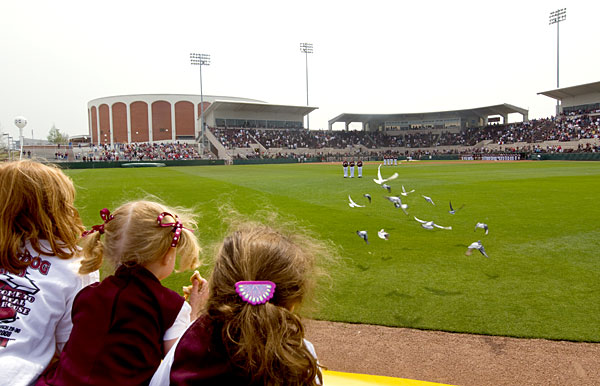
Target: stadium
x=533, y=280
x=241, y=129
x=445, y=210
x=421, y=276
x=413, y=274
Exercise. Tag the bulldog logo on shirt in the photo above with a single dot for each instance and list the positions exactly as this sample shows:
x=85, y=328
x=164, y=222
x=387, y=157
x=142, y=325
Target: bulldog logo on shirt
x=17, y=291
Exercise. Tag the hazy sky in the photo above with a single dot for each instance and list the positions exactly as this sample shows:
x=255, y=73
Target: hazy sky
x=369, y=56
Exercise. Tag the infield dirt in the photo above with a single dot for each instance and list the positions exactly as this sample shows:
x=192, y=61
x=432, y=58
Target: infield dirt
x=451, y=358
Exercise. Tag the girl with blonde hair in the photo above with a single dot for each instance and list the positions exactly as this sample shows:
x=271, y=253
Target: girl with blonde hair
x=123, y=326
x=39, y=264
x=249, y=333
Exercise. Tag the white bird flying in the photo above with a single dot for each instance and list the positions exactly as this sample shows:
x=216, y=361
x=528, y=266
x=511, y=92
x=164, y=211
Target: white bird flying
x=404, y=192
x=383, y=234
x=386, y=186
x=398, y=203
x=430, y=224
x=428, y=199
x=476, y=245
x=452, y=210
x=482, y=226
x=363, y=235
x=353, y=204
x=380, y=180
x=367, y=195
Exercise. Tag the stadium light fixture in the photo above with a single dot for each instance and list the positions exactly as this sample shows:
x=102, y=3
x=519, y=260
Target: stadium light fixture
x=555, y=18
x=306, y=48
x=201, y=60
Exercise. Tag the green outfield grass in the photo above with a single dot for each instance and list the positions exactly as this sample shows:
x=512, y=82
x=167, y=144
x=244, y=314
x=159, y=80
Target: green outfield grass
x=542, y=278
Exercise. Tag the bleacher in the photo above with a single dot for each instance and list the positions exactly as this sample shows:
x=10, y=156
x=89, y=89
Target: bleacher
x=575, y=132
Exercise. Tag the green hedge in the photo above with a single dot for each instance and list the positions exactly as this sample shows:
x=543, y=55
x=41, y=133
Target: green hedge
x=566, y=156
x=439, y=157
x=255, y=161
x=118, y=164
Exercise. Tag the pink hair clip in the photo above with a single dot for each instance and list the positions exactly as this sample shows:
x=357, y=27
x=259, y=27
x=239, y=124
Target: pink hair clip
x=177, y=227
x=106, y=216
x=255, y=292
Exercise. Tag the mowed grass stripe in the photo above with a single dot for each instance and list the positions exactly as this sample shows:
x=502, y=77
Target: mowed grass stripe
x=541, y=279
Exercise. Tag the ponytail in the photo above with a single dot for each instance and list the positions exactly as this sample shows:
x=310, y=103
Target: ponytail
x=188, y=250
x=264, y=342
x=130, y=235
x=93, y=252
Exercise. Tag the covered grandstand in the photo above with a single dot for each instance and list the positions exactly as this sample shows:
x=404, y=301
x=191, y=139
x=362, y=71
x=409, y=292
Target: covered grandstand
x=580, y=98
x=452, y=121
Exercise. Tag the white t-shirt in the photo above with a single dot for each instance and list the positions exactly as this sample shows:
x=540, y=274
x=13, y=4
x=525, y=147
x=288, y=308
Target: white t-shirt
x=35, y=313
x=180, y=324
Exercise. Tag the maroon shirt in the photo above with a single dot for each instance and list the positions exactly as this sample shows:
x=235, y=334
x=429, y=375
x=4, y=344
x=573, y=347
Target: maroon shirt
x=345, y=164
x=359, y=164
x=118, y=329
x=351, y=164
x=201, y=359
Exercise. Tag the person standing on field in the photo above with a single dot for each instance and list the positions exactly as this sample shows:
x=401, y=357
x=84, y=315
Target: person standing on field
x=359, y=167
x=352, y=169
x=345, y=165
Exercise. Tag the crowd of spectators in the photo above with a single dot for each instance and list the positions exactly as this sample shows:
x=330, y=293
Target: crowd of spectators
x=159, y=151
x=568, y=127
x=139, y=152
x=529, y=135
x=57, y=156
x=290, y=139
x=564, y=128
x=234, y=138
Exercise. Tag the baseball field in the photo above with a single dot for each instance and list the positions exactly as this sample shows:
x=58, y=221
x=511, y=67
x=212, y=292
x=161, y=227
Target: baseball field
x=541, y=277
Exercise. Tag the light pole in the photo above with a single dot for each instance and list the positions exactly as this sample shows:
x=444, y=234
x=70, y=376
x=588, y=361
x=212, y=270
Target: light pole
x=201, y=60
x=306, y=48
x=555, y=18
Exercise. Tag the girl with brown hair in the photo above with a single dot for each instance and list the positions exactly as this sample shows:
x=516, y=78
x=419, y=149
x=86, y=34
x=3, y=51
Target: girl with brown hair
x=39, y=263
x=123, y=326
x=249, y=333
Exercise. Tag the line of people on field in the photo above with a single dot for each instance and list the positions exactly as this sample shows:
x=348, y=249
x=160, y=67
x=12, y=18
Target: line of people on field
x=238, y=327
x=349, y=166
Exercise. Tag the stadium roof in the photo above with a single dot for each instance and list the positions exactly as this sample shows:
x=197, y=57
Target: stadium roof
x=259, y=107
x=502, y=109
x=569, y=92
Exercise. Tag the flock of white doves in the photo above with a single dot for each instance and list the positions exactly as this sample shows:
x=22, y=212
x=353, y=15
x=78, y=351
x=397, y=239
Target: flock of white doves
x=397, y=201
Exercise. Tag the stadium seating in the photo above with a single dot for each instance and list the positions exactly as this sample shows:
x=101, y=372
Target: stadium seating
x=563, y=134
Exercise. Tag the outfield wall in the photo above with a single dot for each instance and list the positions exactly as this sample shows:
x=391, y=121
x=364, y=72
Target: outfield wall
x=256, y=161
x=566, y=156
x=119, y=164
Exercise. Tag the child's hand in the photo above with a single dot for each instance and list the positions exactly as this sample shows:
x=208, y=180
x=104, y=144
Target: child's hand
x=196, y=294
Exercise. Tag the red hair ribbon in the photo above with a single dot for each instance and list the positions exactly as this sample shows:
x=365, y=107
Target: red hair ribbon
x=106, y=216
x=177, y=226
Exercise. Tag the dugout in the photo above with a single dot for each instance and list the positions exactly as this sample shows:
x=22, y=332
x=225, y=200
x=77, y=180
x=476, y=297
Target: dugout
x=584, y=97
x=450, y=121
